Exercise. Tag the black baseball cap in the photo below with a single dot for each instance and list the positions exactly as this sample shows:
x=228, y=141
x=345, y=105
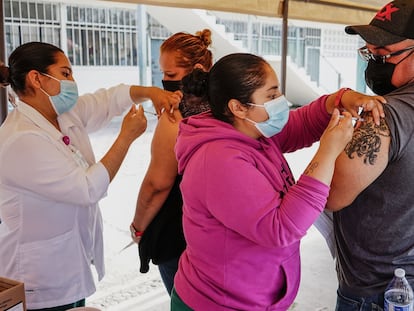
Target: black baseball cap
x=392, y=24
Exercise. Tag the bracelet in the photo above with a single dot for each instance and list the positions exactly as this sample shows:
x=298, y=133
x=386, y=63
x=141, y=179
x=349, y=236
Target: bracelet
x=135, y=232
x=338, y=97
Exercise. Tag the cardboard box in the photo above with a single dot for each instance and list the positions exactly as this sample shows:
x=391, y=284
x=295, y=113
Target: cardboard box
x=12, y=297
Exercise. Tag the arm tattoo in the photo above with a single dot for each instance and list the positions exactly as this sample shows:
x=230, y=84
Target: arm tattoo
x=311, y=167
x=366, y=142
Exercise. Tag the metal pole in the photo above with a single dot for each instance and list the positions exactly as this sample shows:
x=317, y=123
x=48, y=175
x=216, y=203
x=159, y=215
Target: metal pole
x=3, y=91
x=142, y=43
x=285, y=9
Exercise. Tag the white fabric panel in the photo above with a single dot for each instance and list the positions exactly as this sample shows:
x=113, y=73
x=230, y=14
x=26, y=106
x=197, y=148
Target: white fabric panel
x=330, y=11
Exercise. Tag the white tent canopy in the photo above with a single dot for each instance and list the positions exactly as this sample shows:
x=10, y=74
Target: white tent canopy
x=327, y=11
x=330, y=11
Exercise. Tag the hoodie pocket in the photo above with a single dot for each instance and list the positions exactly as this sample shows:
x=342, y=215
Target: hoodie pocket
x=291, y=273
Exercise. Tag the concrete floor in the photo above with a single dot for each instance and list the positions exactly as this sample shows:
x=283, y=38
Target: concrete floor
x=125, y=289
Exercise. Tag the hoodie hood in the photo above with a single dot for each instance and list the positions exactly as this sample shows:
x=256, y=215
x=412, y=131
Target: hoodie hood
x=203, y=128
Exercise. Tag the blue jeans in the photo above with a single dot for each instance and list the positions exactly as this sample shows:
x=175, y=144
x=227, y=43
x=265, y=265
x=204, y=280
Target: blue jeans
x=346, y=302
x=167, y=271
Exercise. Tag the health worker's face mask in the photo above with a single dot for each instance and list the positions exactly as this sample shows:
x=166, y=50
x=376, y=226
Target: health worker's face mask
x=278, y=111
x=172, y=85
x=67, y=98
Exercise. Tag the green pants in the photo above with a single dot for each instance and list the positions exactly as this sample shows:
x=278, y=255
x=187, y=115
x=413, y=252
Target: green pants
x=177, y=304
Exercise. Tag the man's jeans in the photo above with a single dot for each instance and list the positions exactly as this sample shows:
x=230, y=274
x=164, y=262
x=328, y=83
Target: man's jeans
x=351, y=303
x=167, y=271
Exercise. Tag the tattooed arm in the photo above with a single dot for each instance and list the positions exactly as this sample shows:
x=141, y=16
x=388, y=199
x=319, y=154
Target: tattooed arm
x=363, y=160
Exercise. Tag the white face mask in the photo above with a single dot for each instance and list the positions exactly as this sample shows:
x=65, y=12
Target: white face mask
x=67, y=98
x=278, y=111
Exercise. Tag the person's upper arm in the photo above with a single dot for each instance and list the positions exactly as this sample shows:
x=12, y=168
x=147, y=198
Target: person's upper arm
x=363, y=160
x=305, y=126
x=163, y=165
x=161, y=173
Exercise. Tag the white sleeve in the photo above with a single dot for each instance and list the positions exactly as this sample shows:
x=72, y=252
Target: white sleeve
x=325, y=226
x=34, y=164
x=96, y=110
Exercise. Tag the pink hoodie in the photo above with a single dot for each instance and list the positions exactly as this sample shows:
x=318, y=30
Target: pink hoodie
x=243, y=213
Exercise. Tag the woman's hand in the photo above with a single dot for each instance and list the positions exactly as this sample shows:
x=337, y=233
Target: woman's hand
x=338, y=133
x=353, y=102
x=161, y=99
x=134, y=123
x=165, y=100
x=135, y=235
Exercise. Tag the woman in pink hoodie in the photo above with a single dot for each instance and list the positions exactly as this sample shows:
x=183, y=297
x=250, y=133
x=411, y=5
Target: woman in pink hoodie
x=243, y=213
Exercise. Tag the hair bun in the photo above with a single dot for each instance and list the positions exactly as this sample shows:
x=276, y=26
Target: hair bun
x=205, y=36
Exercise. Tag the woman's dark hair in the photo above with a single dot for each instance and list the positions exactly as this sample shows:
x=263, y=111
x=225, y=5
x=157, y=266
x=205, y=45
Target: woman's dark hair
x=195, y=83
x=29, y=56
x=235, y=76
x=194, y=99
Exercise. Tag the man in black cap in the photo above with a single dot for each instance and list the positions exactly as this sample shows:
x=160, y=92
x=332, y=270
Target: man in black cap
x=372, y=189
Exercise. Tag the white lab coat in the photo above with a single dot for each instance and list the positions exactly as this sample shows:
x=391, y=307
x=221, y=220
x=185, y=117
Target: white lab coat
x=51, y=225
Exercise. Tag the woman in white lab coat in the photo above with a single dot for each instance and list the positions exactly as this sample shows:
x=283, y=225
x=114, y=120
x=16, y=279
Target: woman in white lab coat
x=50, y=182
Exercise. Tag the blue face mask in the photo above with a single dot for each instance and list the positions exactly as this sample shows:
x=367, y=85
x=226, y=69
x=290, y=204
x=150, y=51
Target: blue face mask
x=67, y=98
x=278, y=111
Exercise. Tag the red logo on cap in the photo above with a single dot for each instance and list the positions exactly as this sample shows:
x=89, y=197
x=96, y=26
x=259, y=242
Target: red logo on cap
x=386, y=12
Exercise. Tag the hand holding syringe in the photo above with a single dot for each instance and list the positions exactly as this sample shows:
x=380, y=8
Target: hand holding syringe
x=353, y=118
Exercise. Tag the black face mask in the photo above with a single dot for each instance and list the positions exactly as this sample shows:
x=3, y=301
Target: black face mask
x=378, y=77
x=172, y=85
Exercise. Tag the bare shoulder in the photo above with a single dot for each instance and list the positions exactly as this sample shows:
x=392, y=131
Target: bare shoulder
x=166, y=131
